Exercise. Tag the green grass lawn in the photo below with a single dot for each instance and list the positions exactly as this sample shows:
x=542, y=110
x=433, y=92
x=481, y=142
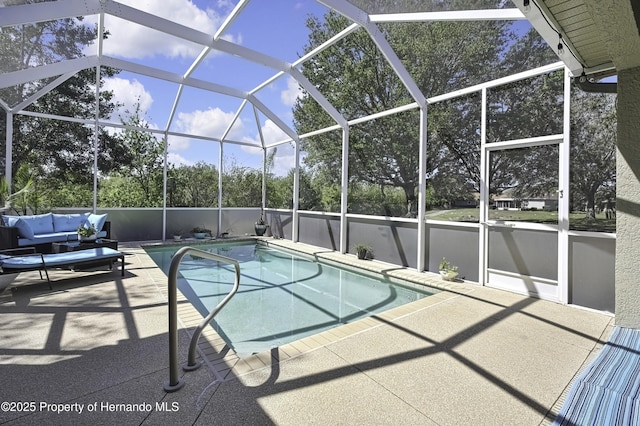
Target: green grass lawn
x=577, y=221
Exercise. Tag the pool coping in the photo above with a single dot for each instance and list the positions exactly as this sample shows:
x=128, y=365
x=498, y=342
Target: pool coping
x=226, y=364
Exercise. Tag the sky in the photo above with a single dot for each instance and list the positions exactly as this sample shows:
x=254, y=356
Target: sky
x=276, y=28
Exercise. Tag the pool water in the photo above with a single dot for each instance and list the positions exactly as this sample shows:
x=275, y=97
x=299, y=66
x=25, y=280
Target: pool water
x=282, y=296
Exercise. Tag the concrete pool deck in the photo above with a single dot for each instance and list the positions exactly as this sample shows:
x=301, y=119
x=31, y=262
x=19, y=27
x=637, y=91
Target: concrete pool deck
x=467, y=355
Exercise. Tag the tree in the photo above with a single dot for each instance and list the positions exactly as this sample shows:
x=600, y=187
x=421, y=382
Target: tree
x=120, y=191
x=358, y=81
x=35, y=190
x=63, y=150
x=593, y=149
x=399, y=6
x=526, y=108
x=280, y=192
x=241, y=186
x=142, y=159
x=330, y=192
x=454, y=127
x=13, y=200
x=193, y=186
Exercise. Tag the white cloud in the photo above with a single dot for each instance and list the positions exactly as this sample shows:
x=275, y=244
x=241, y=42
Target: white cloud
x=178, y=160
x=250, y=149
x=271, y=134
x=293, y=92
x=128, y=93
x=285, y=159
x=211, y=122
x=131, y=40
x=178, y=144
x=283, y=163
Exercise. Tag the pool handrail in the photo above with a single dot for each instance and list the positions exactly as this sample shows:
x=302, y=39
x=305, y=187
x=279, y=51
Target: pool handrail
x=174, y=382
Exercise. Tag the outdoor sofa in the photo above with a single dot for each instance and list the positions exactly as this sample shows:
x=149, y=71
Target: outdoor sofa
x=41, y=230
x=22, y=260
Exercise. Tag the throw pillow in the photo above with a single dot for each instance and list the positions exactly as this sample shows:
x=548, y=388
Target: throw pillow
x=40, y=223
x=97, y=220
x=24, y=230
x=68, y=222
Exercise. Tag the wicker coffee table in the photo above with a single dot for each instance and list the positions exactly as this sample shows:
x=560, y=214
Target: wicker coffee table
x=83, y=245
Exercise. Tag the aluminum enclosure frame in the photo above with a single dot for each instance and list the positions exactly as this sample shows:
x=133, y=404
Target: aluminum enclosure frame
x=361, y=20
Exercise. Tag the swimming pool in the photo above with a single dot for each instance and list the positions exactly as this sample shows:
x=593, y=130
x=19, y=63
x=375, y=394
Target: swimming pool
x=282, y=296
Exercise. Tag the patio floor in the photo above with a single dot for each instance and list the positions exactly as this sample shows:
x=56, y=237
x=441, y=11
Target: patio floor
x=98, y=343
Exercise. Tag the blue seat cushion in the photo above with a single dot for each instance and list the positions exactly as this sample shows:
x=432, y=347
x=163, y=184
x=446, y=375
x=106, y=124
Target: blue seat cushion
x=54, y=237
x=57, y=259
x=61, y=259
x=68, y=222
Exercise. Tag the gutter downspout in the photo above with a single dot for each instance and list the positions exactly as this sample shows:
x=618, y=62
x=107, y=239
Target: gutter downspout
x=587, y=86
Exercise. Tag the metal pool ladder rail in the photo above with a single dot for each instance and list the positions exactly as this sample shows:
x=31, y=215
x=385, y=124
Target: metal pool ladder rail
x=174, y=382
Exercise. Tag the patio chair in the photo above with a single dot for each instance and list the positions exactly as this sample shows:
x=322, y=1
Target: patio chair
x=26, y=259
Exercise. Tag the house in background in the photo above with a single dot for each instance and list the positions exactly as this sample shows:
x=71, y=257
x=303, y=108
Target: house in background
x=547, y=203
x=506, y=201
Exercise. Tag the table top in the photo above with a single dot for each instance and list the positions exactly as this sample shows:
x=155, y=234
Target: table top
x=79, y=245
